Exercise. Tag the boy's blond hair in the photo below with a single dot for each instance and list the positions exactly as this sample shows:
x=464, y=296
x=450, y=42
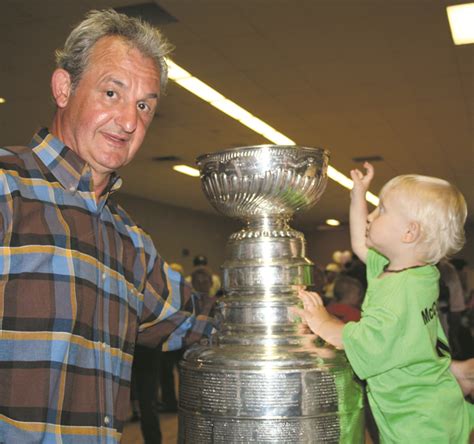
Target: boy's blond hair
x=439, y=208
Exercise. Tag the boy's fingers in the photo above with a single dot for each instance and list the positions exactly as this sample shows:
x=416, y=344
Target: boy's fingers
x=310, y=299
x=369, y=169
x=307, y=301
x=314, y=299
x=306, y=292
x=356, y=174
x=298, y=312
x=317, y=298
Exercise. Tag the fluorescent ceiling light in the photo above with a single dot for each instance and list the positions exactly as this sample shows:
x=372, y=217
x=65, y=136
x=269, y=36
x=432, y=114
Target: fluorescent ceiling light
x=185, y=169
x=372, y=198
x=200, y=89
x=217, y=100
x=461, y=21
x=2, y=100
x=333, y=222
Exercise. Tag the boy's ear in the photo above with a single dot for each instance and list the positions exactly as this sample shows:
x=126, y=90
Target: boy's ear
x=61, y=87
x=412, y=232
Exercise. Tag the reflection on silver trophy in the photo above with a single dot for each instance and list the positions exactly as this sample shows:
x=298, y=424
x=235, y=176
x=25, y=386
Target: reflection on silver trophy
x=263, y=379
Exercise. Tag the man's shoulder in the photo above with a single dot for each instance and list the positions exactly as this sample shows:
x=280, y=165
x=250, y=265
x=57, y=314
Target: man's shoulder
x=16, y=151
x=13, y=157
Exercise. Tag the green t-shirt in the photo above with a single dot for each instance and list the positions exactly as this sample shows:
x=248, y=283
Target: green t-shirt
x=399, y=347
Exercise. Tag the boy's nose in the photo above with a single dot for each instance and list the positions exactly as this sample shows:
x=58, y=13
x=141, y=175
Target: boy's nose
x=371, y=216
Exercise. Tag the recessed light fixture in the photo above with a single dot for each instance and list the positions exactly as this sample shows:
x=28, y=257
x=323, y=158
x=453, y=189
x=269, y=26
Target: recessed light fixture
x=333, y=222
x=166, y=158
x=185, y=169
x=461, y=21
x=2, y=100
x=217, y=100
x=362, y=159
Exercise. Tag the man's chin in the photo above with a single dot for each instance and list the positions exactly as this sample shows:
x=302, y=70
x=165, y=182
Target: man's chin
x=108, y=166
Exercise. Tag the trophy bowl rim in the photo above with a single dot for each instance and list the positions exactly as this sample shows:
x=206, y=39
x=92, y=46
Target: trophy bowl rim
x=300, y=148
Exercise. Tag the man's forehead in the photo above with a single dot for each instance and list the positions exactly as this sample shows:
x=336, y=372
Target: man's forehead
x=120, y=51
x=123, y=66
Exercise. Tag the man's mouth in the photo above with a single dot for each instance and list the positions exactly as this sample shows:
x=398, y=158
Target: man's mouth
x=116, y=139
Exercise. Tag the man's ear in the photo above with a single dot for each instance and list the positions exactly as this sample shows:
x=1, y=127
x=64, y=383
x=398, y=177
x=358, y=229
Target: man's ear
x=412, y=232
x=61, y=87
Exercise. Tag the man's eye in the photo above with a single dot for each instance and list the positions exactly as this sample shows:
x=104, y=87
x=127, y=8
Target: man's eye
x=143, y=106
x=110, y=93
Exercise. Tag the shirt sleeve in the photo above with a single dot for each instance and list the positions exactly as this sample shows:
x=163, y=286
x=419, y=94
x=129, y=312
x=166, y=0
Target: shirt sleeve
x=173, y=316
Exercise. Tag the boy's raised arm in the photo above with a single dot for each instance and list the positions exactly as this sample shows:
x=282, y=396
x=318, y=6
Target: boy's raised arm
x=358, y=210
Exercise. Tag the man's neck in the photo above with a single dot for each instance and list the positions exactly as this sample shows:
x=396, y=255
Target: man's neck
x=99, y=182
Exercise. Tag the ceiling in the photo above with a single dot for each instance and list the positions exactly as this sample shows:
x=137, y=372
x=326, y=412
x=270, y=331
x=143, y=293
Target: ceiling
x=358, y=77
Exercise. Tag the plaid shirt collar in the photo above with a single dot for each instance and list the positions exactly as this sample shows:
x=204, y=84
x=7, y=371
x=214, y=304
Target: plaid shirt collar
x=73, y=173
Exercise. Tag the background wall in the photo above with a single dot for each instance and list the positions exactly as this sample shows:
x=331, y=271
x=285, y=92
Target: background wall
x=321, y=244
x=174, y=229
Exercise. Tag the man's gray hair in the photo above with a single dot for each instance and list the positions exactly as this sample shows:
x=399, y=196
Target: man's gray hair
x=74, y=57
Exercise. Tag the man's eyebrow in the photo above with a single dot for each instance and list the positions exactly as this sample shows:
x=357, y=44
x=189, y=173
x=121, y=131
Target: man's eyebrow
x=115, y=81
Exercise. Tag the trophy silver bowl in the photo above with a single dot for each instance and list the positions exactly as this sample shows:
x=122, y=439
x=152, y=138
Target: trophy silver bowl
x=264, y=180
x=263, y=378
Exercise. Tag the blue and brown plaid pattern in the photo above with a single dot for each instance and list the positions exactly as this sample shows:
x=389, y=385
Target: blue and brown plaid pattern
x=80, y=284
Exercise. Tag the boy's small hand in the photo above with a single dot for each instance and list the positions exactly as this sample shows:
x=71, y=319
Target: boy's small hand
x=314, y=313
x=362, y=181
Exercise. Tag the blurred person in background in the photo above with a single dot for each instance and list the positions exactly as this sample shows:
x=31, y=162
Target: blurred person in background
x=201, y=261
x=356, y=268
x=348, y=294
x=319, y=279
x=167, y=363
x=201, y=280
x=453, y=313
x=331, y=271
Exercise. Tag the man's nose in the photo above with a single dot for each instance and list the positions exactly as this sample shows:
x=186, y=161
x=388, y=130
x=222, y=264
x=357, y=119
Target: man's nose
x=127, y=118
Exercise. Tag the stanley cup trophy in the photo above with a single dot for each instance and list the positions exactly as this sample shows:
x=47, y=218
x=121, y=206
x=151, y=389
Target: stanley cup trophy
x=263, y=378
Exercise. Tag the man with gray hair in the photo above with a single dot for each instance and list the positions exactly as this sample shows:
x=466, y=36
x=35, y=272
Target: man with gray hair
x=81, y=283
